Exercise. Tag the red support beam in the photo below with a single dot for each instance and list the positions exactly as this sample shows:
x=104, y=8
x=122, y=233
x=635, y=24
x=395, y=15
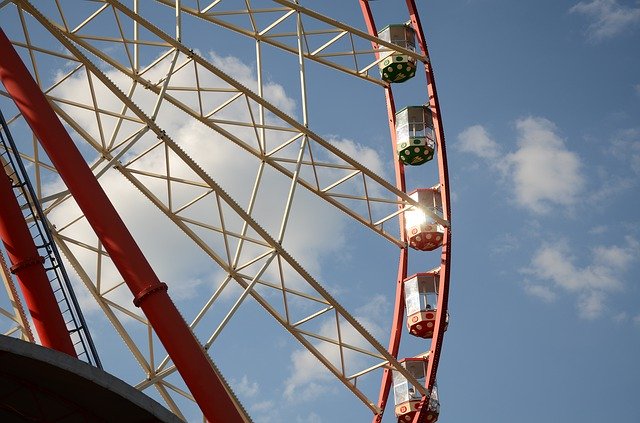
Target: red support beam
x=149, y=293
x=28, y=267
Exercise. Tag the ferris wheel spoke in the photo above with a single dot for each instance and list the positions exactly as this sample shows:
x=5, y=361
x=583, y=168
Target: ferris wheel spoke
x=328, y=42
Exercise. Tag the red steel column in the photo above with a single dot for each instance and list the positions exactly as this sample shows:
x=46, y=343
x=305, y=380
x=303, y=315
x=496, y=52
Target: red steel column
x=28, y=267
x=149, y=293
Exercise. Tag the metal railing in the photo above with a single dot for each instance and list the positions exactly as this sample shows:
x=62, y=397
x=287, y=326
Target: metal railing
x=39, y=229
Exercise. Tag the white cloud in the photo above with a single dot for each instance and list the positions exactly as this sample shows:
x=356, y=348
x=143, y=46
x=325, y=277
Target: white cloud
x=244, y=74
x=371, y=312
x=608, y=17
x=636, y=319
x=637, y=88
x=555, y=262
x=614, y=256
x=184, y=273
x=476, y=140
x=544, y=172
x=553, y=265
x=611, y=187
x=313, y=386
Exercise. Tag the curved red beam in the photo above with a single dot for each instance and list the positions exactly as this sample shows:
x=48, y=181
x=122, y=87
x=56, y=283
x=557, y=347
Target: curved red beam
x=149, y=293
x=443, y=168
x=445, y=263
x=445, y=259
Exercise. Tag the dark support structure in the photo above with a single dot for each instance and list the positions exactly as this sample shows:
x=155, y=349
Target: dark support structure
x=149, y=293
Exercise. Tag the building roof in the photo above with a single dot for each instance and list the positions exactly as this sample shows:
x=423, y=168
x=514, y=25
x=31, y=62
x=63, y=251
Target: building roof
x=38, y=384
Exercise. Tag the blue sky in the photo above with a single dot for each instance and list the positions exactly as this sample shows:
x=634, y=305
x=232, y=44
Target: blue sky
x=541, y=110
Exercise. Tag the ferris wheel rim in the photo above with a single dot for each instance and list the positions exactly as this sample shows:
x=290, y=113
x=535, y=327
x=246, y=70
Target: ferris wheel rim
x=443, y=269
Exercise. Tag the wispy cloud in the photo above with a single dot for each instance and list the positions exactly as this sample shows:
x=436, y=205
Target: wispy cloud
x=621, y=317
x=309, y=378
x=598, y=230
x=608, y=17
x=626, y=147
x=505, y=244
x=554, y=267
x=543, y=292
x=266, y=412
x=246, y=387
x=311, y=418
x=591, y=304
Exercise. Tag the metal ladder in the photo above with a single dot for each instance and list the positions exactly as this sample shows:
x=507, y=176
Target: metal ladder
x=56, y=273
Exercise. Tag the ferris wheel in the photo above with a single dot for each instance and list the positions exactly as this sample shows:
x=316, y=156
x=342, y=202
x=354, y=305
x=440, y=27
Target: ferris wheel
x=183, y=166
